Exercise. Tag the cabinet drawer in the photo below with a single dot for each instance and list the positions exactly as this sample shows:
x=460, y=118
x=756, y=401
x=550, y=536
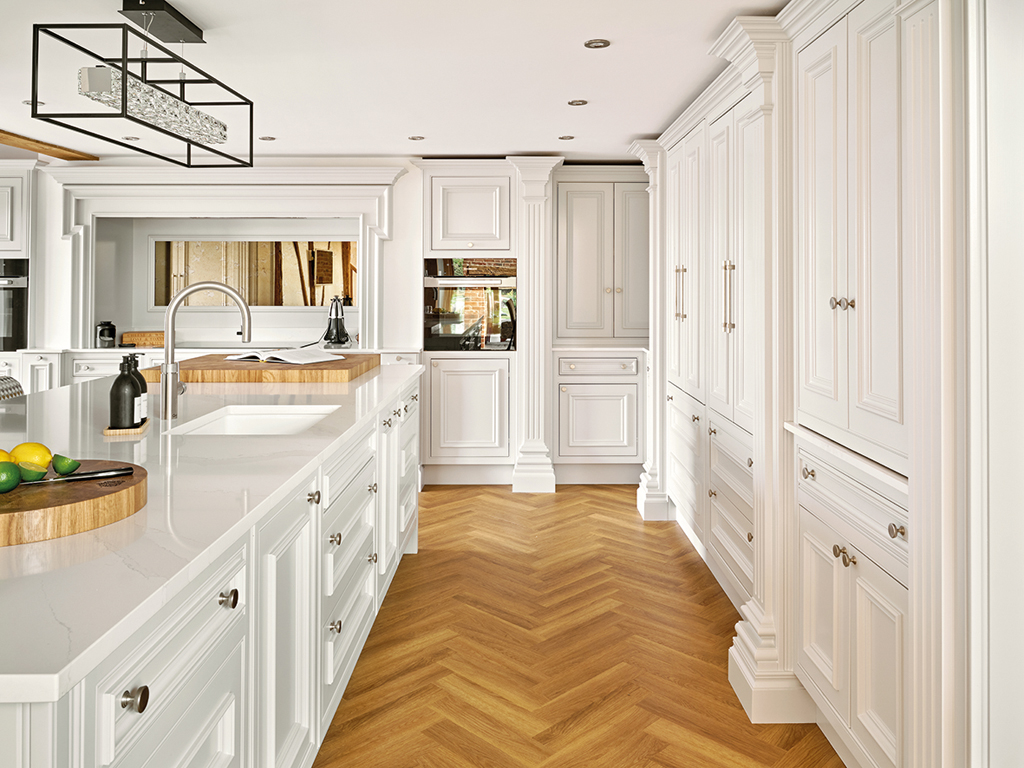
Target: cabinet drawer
x=164, y=657
x=340, y=472
x=859, y=513
x=598, y=366
x=597, y=420
x=95, y=367
x=408, y=502
x=729, y=538
x=730, y=457
x=347, y=524
x=406, y=358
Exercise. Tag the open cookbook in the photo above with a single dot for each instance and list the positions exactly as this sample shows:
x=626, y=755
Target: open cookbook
x=287, y=356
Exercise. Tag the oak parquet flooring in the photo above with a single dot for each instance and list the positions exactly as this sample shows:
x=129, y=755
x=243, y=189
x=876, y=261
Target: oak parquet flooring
x=553, y=631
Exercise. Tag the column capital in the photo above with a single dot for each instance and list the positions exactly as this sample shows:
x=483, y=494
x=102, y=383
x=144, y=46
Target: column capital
x=650, y=153
x=534, y=174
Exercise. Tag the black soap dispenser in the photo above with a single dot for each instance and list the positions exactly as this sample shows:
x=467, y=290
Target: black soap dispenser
x=137, y=375
x=125, y=399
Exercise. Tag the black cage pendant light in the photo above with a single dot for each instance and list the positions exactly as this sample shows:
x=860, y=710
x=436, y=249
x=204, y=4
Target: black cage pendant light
x=116, y=83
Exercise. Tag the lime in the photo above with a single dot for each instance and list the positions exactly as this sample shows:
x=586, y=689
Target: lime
x=62, y=465
x=36, y=453
x=10, y=476
x=30, y=471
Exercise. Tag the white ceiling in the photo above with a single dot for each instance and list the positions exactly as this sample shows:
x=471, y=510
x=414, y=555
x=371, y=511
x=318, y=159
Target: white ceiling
x=475, y=77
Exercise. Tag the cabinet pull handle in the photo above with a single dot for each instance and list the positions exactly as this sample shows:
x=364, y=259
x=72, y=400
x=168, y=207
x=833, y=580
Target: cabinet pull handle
x=680, y=285
x=228, y=599
x=727, y=324
x=844, y=304
x=336, y=626
x=670, y=398
x=565, y=389
x=808, y=474
x=406, y=407
x=372, y=488
x=750, y=462
x=335, y=539
x=750, y=536
x=712, y=431
x=415, y=398
x=387, y=423
x=371, y=558
x=137, y=699
x=572, y=366
x=434, y=363
x=313, y=498
x=897, y=530
x=849, y=560
x=833, y=303
x=618, y=290
x=397, y=413
x=711, y=494
x=623, y=366
x=695, y=417
x=838, y=551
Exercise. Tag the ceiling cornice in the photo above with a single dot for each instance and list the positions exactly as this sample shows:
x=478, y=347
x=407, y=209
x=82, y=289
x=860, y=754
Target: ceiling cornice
x=292, y=176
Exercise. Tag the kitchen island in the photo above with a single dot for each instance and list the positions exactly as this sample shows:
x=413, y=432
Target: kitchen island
x=220, y=623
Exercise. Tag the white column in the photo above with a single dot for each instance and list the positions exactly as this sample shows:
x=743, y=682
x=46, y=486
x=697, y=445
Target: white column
x=534, y=471
x=651, y=497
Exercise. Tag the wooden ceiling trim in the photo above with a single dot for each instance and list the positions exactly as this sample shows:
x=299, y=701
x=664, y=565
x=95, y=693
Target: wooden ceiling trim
x=50, y=150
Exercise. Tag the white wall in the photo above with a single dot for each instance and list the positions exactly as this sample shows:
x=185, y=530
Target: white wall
x=50, y=270
x=114, y=270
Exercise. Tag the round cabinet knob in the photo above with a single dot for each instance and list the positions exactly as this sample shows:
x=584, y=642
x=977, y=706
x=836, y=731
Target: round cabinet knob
x=40, y=357
x=372, y=558
x=228, y=599
x=807, y=473
x=712, y=431
x=695, y=417
x=406, y=408
x=624, y=366
x=313, y=498
x=434, y=363
x=837, y=551
x=372, y=488
x=844, y=304
x=711, y=494
x=387, y=423
x=670, y=397
x=137, y=699
x=897, y=530
x=572, y=366
x=849, y=560
x=335, y=626
x=833, y=303
x=398, y=358
x=565, y=389
x=415, y=398
x=750, y=462
x=606, y=290
x=750, y=536
x=396, y=413
x=86, y=368
x=469, y=245
x=618, y=290
x=335, y=539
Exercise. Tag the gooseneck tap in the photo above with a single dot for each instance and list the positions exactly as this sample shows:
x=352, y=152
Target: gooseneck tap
x=169, y=383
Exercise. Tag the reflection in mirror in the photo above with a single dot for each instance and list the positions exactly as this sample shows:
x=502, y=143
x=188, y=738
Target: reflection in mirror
x=268, y=274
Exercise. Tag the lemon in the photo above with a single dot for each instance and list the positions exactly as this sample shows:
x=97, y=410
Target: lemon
x=5, y=456
x=30, y=471
x=62, y=465
x=35, y=453
x=10, y=476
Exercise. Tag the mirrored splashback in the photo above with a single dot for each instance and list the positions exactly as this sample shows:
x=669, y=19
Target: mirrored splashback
x=278, y=273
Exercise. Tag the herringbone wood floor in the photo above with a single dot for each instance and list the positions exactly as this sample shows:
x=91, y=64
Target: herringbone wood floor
x=553, y=630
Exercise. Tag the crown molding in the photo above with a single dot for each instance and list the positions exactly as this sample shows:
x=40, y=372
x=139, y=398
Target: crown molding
x=296, y=176
x=623, y=173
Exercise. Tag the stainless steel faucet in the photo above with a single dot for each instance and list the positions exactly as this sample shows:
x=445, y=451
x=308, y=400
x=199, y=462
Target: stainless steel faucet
x=169, y=383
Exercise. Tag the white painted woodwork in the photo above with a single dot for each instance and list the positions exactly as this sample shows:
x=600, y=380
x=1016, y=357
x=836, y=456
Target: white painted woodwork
x=389, y=444
x=598, y=366
x=470, y=213
x=730, y=453
x=41, y=371
x=12, y=218
x=686, y=455
x=10, y=365
x=586, y=251
x=286, y=719
x=597, y=420
x=469, y=407
x=632, y=261
x=730, y=546
x=719, y=261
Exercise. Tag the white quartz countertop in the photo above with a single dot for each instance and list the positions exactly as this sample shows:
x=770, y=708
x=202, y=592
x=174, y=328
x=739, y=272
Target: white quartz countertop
x=68, y=603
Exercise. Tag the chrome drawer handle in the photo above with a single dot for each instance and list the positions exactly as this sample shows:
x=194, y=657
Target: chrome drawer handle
x=335, y=539
x=808, y=475
x=849, y=560
x=228, y=599
x=372, y=558
x=372, y=488
x=895, y=530
x=336, y=626
x=137, y=699
x=695, y=417
x=313, y=498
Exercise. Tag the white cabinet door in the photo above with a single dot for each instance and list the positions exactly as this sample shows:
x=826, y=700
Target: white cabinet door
x=389, y=446
x=821, y=221
x=720, y=262
x=41, y=371
x=469, y=407
x=823, y=616
x=597, y=420
x=586, y=249
x=12, y=220
x=286, y=689
x=470, y=213
x=876, y=316
x=632, y=260
x=685, y=458
x=10, y=365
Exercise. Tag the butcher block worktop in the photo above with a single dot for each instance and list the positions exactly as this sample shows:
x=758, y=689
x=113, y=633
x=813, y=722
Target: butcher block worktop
x=218, y=369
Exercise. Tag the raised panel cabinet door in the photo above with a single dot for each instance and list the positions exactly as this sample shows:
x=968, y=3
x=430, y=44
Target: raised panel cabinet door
x=286, y=688
x=720, y=262
x=469, y=407
x=11, y=202
x=597, y=420
x=823, y=655
x=585, y=258
x=389, y=449
x=821, y=223
x=685, y=451
x=876, y=309
x=469, y=213
x=690, y=213
x=40, y=371
x=632, y=262
x=675, y=314
x=879, y=634
x=748, y=333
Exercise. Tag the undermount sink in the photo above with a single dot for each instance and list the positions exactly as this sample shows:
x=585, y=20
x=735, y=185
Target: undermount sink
x=256, y=420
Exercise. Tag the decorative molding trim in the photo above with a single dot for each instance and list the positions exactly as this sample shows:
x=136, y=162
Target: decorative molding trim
x=715, y=100
x=767, y=698
x=159, y=176
x=623, y=173
x=534, y=471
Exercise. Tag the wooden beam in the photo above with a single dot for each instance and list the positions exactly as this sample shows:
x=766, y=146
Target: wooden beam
x=50, y=150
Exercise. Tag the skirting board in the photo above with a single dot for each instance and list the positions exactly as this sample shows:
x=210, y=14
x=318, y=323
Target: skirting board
x=598, y=474
x=770, y=700
x=467, y=474
x=836, y=741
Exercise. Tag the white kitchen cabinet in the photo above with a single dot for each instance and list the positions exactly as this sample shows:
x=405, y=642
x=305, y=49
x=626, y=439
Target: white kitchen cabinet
x=603, y=260
x=286, y=721
x=389, y=446
x=13, y=213
x=597, y=420
x=409, y=472
x=10, y=365
x=470, y=213
x=469, y=407
x=730, y=534
x=851, y=299
x=686, y=201
x=686, y=457
x=40, y=370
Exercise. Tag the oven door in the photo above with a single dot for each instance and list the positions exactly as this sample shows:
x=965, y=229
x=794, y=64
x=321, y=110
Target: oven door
x=463, y=314
x=13, y=313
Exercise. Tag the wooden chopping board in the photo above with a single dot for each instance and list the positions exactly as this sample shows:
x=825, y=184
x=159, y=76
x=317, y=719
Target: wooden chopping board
x=41, y=512
x=216, y=369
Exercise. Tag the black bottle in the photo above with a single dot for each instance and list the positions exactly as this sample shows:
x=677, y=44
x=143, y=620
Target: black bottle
x=143, y=400
x=125, y=397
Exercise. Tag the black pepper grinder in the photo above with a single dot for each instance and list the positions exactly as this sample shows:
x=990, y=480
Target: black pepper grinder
x=125, y=399
x=137, y=375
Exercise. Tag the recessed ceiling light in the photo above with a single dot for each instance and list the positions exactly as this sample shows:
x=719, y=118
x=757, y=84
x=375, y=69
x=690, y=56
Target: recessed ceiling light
x=28, y=102
x=577, y=102
x=268, y=138
x=566, y=138
x=597, y=43
x=130, y=138
x=417, y=138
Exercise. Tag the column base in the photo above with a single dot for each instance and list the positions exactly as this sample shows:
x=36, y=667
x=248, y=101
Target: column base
x=651, y=502
x=533, y=476
x=768, y=697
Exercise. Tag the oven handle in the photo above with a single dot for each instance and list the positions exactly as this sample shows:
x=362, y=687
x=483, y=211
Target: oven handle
x=13, y=282
x=469, y=282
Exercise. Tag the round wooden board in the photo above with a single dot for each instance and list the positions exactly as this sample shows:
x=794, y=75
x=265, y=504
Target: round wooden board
x=40, y=512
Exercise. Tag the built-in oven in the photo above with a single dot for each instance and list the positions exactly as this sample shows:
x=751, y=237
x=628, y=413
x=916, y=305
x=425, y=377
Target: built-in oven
x=13, y=304
x=469, y=305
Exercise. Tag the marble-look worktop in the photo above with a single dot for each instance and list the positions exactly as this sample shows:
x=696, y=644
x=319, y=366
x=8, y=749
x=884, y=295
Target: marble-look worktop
x=67, y=603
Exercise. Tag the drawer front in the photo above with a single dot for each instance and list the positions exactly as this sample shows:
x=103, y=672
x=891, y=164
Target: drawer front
x=597, y=420
x=860, y=514
x=685, y=423
x=730, y=458
x=347, y=524
x=95, y=367
x=205, y=724
x=729, y=539
x=351, y=574
x=405, y=358
x=340, y=472
x=163, y=658
x=408, y=502
x=598, y=366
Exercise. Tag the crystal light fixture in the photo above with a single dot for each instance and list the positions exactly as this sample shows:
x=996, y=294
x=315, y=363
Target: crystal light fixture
x=156, y=107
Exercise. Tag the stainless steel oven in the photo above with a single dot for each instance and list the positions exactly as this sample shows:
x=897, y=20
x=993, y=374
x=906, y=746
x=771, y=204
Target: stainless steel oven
x=13, y=304
x=469, y=308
